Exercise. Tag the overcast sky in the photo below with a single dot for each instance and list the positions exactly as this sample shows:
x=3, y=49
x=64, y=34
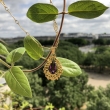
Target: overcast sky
x=72, y=24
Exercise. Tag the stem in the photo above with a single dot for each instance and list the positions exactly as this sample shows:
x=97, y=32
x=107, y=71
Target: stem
x=63, y=13
x=2, y=75
x=43, y=58
x=4, y=63
x=3, y=57
x=46, y=47
x=55, y=41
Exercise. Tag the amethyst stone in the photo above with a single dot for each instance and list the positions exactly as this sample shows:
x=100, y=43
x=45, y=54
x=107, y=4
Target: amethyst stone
x=52, y=68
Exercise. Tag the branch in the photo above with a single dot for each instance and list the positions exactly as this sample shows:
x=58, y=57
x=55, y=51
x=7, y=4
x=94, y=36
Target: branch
x=4, y=63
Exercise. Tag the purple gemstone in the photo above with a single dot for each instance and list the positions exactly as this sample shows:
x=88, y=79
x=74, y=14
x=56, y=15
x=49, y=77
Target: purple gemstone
x=53, y=68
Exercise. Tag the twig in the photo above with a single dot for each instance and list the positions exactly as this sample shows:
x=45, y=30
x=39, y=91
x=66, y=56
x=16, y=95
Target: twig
x=4, y=63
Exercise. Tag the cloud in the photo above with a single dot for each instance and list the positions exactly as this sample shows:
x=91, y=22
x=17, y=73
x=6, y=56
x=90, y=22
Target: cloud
x=19, y=8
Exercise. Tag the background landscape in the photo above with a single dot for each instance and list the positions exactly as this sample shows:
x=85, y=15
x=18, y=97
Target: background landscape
x=77, y=93
x=85, y=42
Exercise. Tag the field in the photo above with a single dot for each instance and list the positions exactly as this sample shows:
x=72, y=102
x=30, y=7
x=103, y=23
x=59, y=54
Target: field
x=97, y=80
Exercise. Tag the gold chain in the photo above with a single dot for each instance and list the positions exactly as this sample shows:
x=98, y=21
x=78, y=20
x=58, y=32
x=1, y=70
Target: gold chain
x=55, y=26
x=53, y=68
x=16, y=21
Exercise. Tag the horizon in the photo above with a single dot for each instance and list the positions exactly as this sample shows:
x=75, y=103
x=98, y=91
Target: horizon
x=55, y=35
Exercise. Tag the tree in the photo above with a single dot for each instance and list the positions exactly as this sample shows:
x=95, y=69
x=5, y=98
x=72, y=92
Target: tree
x=70, y=51
x=89, y=59
x=99, y=41
x=99, y=99
x=102, y=58
x=78, y=41
x=68, y=92
x=65, y=92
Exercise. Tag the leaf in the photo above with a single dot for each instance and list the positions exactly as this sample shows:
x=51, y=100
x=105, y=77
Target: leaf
x=41, y=12
x=70, y=68
x=18, y=82
x=15, y=55
x=3, y=49
x=33, y=47
x=86, y=9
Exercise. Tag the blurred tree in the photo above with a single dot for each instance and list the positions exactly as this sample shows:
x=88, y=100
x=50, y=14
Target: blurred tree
x=68, y=92
x=70, y=51
x=99, y=41
x=89, y=59
x=78, y=41
x=99, y=99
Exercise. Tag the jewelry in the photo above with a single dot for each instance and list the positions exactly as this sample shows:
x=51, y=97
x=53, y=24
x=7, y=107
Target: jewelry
x=53, y=68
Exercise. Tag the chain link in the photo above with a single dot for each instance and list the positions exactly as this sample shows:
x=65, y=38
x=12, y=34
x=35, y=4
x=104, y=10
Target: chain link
x=16, y=21
x=55, y=26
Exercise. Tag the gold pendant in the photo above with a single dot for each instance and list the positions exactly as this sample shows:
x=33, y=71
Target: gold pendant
x=52, y=68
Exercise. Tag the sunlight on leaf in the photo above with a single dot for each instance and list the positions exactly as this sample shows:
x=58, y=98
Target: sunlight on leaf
x=33, y=47
x=15, y=55
x=70, y=68
x=3, y=49
x=18, y=82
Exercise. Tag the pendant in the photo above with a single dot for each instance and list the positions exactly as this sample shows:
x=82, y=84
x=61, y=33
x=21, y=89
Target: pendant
x=52, y=68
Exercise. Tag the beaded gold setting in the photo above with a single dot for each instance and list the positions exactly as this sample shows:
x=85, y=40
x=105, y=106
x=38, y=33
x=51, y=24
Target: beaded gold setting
x=49, y=75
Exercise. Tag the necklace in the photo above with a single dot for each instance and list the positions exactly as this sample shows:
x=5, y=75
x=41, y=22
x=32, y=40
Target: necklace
x=52, y=68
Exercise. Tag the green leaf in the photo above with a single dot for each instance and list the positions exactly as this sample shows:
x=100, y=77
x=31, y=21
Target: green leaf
x=70, y=68
x=15, y=55
x=33, y=47
x=18, y=82
x=3, y=49
x=41, y=12
x=86, y=9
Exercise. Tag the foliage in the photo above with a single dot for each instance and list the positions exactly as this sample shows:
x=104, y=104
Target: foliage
x=72, y=92
x=15, y=55
x=68, y=92
x=18, y=102
x=99, y=99
x=3, y=49
x=86, y=9
x=100, y=58
x=69, y=67
x=18, y=82
x=99, y=41
x=33, y=47
x=40, y=13
x=78, y=41
x=70, y=51
x=89, y=59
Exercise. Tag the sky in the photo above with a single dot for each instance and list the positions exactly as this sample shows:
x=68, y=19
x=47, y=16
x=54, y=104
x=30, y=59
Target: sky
x=72, y=24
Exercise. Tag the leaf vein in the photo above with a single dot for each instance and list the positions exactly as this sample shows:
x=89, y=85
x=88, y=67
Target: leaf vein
x=17, y=81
